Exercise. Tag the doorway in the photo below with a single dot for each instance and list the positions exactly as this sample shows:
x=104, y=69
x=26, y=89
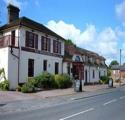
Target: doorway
x=86, y=76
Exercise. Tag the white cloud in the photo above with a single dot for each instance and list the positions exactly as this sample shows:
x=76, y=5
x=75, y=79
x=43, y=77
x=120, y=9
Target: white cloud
x=120, y=10
x=103, y=42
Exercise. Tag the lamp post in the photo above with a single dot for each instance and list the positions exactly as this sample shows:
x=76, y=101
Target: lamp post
x=120, y=68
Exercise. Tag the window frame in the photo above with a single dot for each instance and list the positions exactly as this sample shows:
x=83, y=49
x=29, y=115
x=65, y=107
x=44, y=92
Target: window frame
x=44, y=65
x=56, y=46
x=31, y=40
x=45, y=44
x=30, y=67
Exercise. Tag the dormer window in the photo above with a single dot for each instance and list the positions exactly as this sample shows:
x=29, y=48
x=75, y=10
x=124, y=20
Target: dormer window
x=31, y=40
x=77, y=59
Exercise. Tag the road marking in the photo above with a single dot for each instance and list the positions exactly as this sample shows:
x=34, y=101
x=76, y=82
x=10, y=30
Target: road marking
x=73, y=115
x=123, y=97
x=111, y=101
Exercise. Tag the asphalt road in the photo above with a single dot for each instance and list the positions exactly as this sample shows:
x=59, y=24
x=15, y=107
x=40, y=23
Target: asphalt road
x=110, y=106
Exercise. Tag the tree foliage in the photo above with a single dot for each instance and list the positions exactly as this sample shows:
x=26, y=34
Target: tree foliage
x=114, y=62
x=69, y=41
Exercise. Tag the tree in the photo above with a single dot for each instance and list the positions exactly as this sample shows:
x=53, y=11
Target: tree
x=124, y=63
x=69, y=42
x=114, y=62
x=109, y=73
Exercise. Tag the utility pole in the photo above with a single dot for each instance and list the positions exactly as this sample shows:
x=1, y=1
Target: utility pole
x=120, y=68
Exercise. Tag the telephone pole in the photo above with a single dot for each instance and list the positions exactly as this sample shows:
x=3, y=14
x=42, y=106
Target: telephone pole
x=120, y=68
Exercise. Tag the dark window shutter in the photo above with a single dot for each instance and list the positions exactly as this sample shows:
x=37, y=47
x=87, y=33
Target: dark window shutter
x=27, y=39
x=36, y=41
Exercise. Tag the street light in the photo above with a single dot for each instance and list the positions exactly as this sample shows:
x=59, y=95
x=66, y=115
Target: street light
x=120, y=68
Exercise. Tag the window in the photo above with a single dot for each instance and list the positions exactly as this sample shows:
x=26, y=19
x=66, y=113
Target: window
x=77, y=59
x=31, y=40
x=45, y=43
x=104, y=73
x=44, y=65
x=56, y=46
x=68, y=68
x=56, y=68
x=30, y=68
x=93, y=74
x=13, y=38
x=99, y=74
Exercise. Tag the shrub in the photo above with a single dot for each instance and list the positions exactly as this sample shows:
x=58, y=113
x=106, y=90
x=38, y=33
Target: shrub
x=46, y=80
x=28, y=87
x=104, y=80
x=4, y=85
x=117, y=80
x=18, y=88
x=63, y=80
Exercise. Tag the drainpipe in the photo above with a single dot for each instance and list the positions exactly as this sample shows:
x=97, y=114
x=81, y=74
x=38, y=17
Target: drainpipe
x=19, y=54
x=89, y=73
x=18, y=57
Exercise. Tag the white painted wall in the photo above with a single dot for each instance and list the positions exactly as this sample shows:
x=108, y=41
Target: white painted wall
x=88, y=73
x=38, y=64
x=96, y=72
x=65, y=70
x=13, y=69
x=4, y=60
x=103, y=71
x=23, y=38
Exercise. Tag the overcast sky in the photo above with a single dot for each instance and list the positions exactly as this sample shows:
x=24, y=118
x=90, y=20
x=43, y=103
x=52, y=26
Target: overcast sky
x=96, y=25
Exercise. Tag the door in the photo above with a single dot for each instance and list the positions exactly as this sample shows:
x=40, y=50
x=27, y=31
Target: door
x=30, y=68
x=86, y=76
x=78, y=70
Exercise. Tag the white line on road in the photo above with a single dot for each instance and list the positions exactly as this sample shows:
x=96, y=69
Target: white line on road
x=123, y=97
x=111, y=101
x=82, y=112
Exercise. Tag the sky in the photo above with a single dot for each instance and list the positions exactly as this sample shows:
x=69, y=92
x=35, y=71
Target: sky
x=96, y=25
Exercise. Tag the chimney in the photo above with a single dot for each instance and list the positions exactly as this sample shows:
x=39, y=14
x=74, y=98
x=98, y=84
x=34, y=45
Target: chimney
x=13, y=13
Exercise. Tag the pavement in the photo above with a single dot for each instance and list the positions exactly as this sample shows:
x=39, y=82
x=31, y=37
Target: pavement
x=105, y=104
x=13, y=101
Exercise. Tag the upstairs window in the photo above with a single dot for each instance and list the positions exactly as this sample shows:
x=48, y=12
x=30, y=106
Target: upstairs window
x=45, y=43
x=31, y=40
x=13, y=38
x=56, y=46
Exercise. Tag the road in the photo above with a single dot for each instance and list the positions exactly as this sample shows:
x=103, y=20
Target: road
x=109, y=106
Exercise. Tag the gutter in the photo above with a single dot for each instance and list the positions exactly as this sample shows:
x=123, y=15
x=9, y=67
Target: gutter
x=18, y=57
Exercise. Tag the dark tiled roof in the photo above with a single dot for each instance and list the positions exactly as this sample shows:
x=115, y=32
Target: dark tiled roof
x=24, y=21
x=73, y=49
x=115, y=67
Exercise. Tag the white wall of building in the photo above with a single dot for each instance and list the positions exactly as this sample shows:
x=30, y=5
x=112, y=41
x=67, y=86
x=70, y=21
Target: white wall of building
x=94, y=78
x=4, y=60
x=38, y=64
x=65, y=68
x=103, y=71
x=13, y=69
x=87, y=68
x=23, y=38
